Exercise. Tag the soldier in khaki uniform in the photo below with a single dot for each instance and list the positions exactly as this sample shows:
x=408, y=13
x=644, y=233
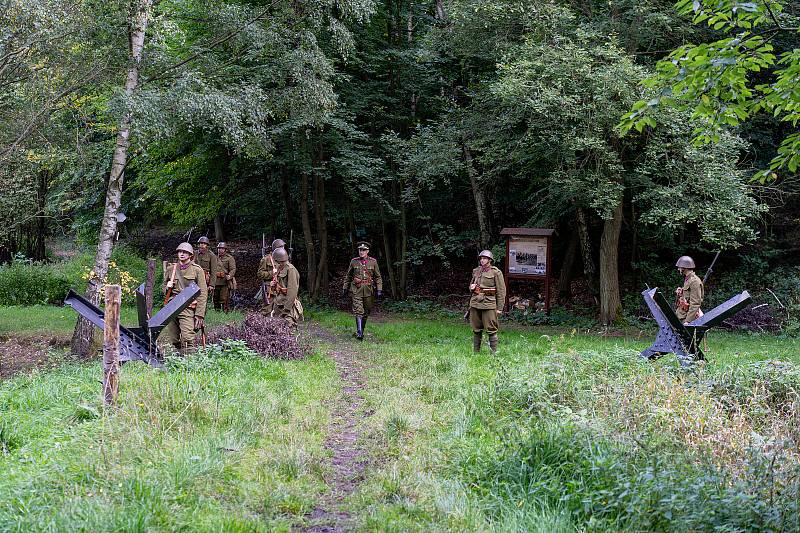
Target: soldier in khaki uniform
x=267, y=271
x=285, y=285
x=690, y=296
x=361, y=274
x=206, y=259
x=180, y=331
x=226, y=270
x=488, y=290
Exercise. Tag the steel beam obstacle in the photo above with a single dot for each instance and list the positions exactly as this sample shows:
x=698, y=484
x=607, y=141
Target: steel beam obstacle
x=138, y=343
x=684, y=339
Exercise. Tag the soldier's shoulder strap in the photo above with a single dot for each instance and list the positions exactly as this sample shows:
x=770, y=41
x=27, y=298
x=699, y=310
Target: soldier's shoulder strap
x=496, y=269
x=355, y=259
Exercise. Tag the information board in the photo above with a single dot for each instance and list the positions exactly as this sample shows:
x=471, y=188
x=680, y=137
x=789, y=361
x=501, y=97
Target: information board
x=527, y=256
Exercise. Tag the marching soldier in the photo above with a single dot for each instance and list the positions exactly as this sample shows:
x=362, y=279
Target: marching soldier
x=285, y=286
x=361, y=274
x=690, y=296
x=267, y=270
x=488, y=299
x=180, y=331
x=206, y=259
x=226, y=270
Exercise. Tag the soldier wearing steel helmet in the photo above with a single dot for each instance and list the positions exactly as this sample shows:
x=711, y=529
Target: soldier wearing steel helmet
x=285, y=285
x=206, y=259
x=180, y=331
x=267, y=271
x=488, y=290
x=223, y=279
x=690, y=296
x=362, y=273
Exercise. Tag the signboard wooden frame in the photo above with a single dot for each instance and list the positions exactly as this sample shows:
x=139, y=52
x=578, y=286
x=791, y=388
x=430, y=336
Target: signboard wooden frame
x=528, y=257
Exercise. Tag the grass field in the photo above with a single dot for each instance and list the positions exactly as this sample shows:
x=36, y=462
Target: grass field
x=561, y=431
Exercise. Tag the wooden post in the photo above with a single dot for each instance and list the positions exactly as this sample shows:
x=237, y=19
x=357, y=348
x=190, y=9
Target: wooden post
x=111, y=344
x=148, y=287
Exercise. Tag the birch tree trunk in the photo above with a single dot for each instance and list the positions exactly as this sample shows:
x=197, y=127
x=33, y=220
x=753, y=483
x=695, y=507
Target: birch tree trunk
x=83, y=334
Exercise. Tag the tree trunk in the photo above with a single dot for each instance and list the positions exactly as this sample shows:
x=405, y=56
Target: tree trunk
x=610, y=302
x=83, y=334
x=387, y=250
x=219, y=229
x=311, y=255
x=403, y=282
x=40, y=251
x=287, y=200
x=586, y=252
x=441, y=14
x=481, y=206
x=321, y=282
x=564, y=290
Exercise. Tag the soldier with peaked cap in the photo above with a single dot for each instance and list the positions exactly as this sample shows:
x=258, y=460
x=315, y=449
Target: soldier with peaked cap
x=361, y=274
x=285, y=285
x=180, y=330
x=690, y=295
x=226, y=270
x=488, y=290
x=206, y=259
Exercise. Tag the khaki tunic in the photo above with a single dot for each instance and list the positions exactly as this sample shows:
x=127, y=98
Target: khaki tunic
x=361, y=274
x=225, y=266
x=693, y=293
x=265, y=274
x=286, y=305
x=179, y=331
x=483, y=307
x=208, y=262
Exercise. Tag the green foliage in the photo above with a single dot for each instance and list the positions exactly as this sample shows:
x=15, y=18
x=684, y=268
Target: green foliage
x=24, y=283
x=722, y=82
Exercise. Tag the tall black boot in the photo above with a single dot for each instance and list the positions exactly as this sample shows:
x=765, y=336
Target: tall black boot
x=476, y=341
x=360, y=327
x=493, y=342
x=363, y=323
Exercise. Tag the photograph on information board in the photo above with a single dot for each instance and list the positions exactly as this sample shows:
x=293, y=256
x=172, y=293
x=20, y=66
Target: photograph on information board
x=527, y=256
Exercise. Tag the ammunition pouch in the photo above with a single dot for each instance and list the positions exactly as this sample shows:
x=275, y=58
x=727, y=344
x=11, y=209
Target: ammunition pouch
x=220, y=275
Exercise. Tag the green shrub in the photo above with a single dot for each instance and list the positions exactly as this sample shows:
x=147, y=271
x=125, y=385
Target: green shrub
x=24, y=283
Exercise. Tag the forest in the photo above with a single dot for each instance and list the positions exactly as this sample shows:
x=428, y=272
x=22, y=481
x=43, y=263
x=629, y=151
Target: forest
x=424, y=127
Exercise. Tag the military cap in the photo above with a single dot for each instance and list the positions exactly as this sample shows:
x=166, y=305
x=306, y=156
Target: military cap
x=280, y=254
x=685, y=261
x=203, y=240
x=185, y=247
x=363, y=245
x=486, y=253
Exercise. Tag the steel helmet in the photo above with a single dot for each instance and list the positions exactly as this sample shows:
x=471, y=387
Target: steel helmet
x=278, y=243
x=685, y=261
x=203, y=240
x=185, y=247
x=486, y=253
x=280, y=255
x=221, y=244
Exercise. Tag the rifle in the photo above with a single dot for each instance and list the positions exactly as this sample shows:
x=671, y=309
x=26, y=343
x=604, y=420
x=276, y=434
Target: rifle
x=274, y=278
x=264, y=290
x=290, y=250
x=711, y=268
x=172, y=279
